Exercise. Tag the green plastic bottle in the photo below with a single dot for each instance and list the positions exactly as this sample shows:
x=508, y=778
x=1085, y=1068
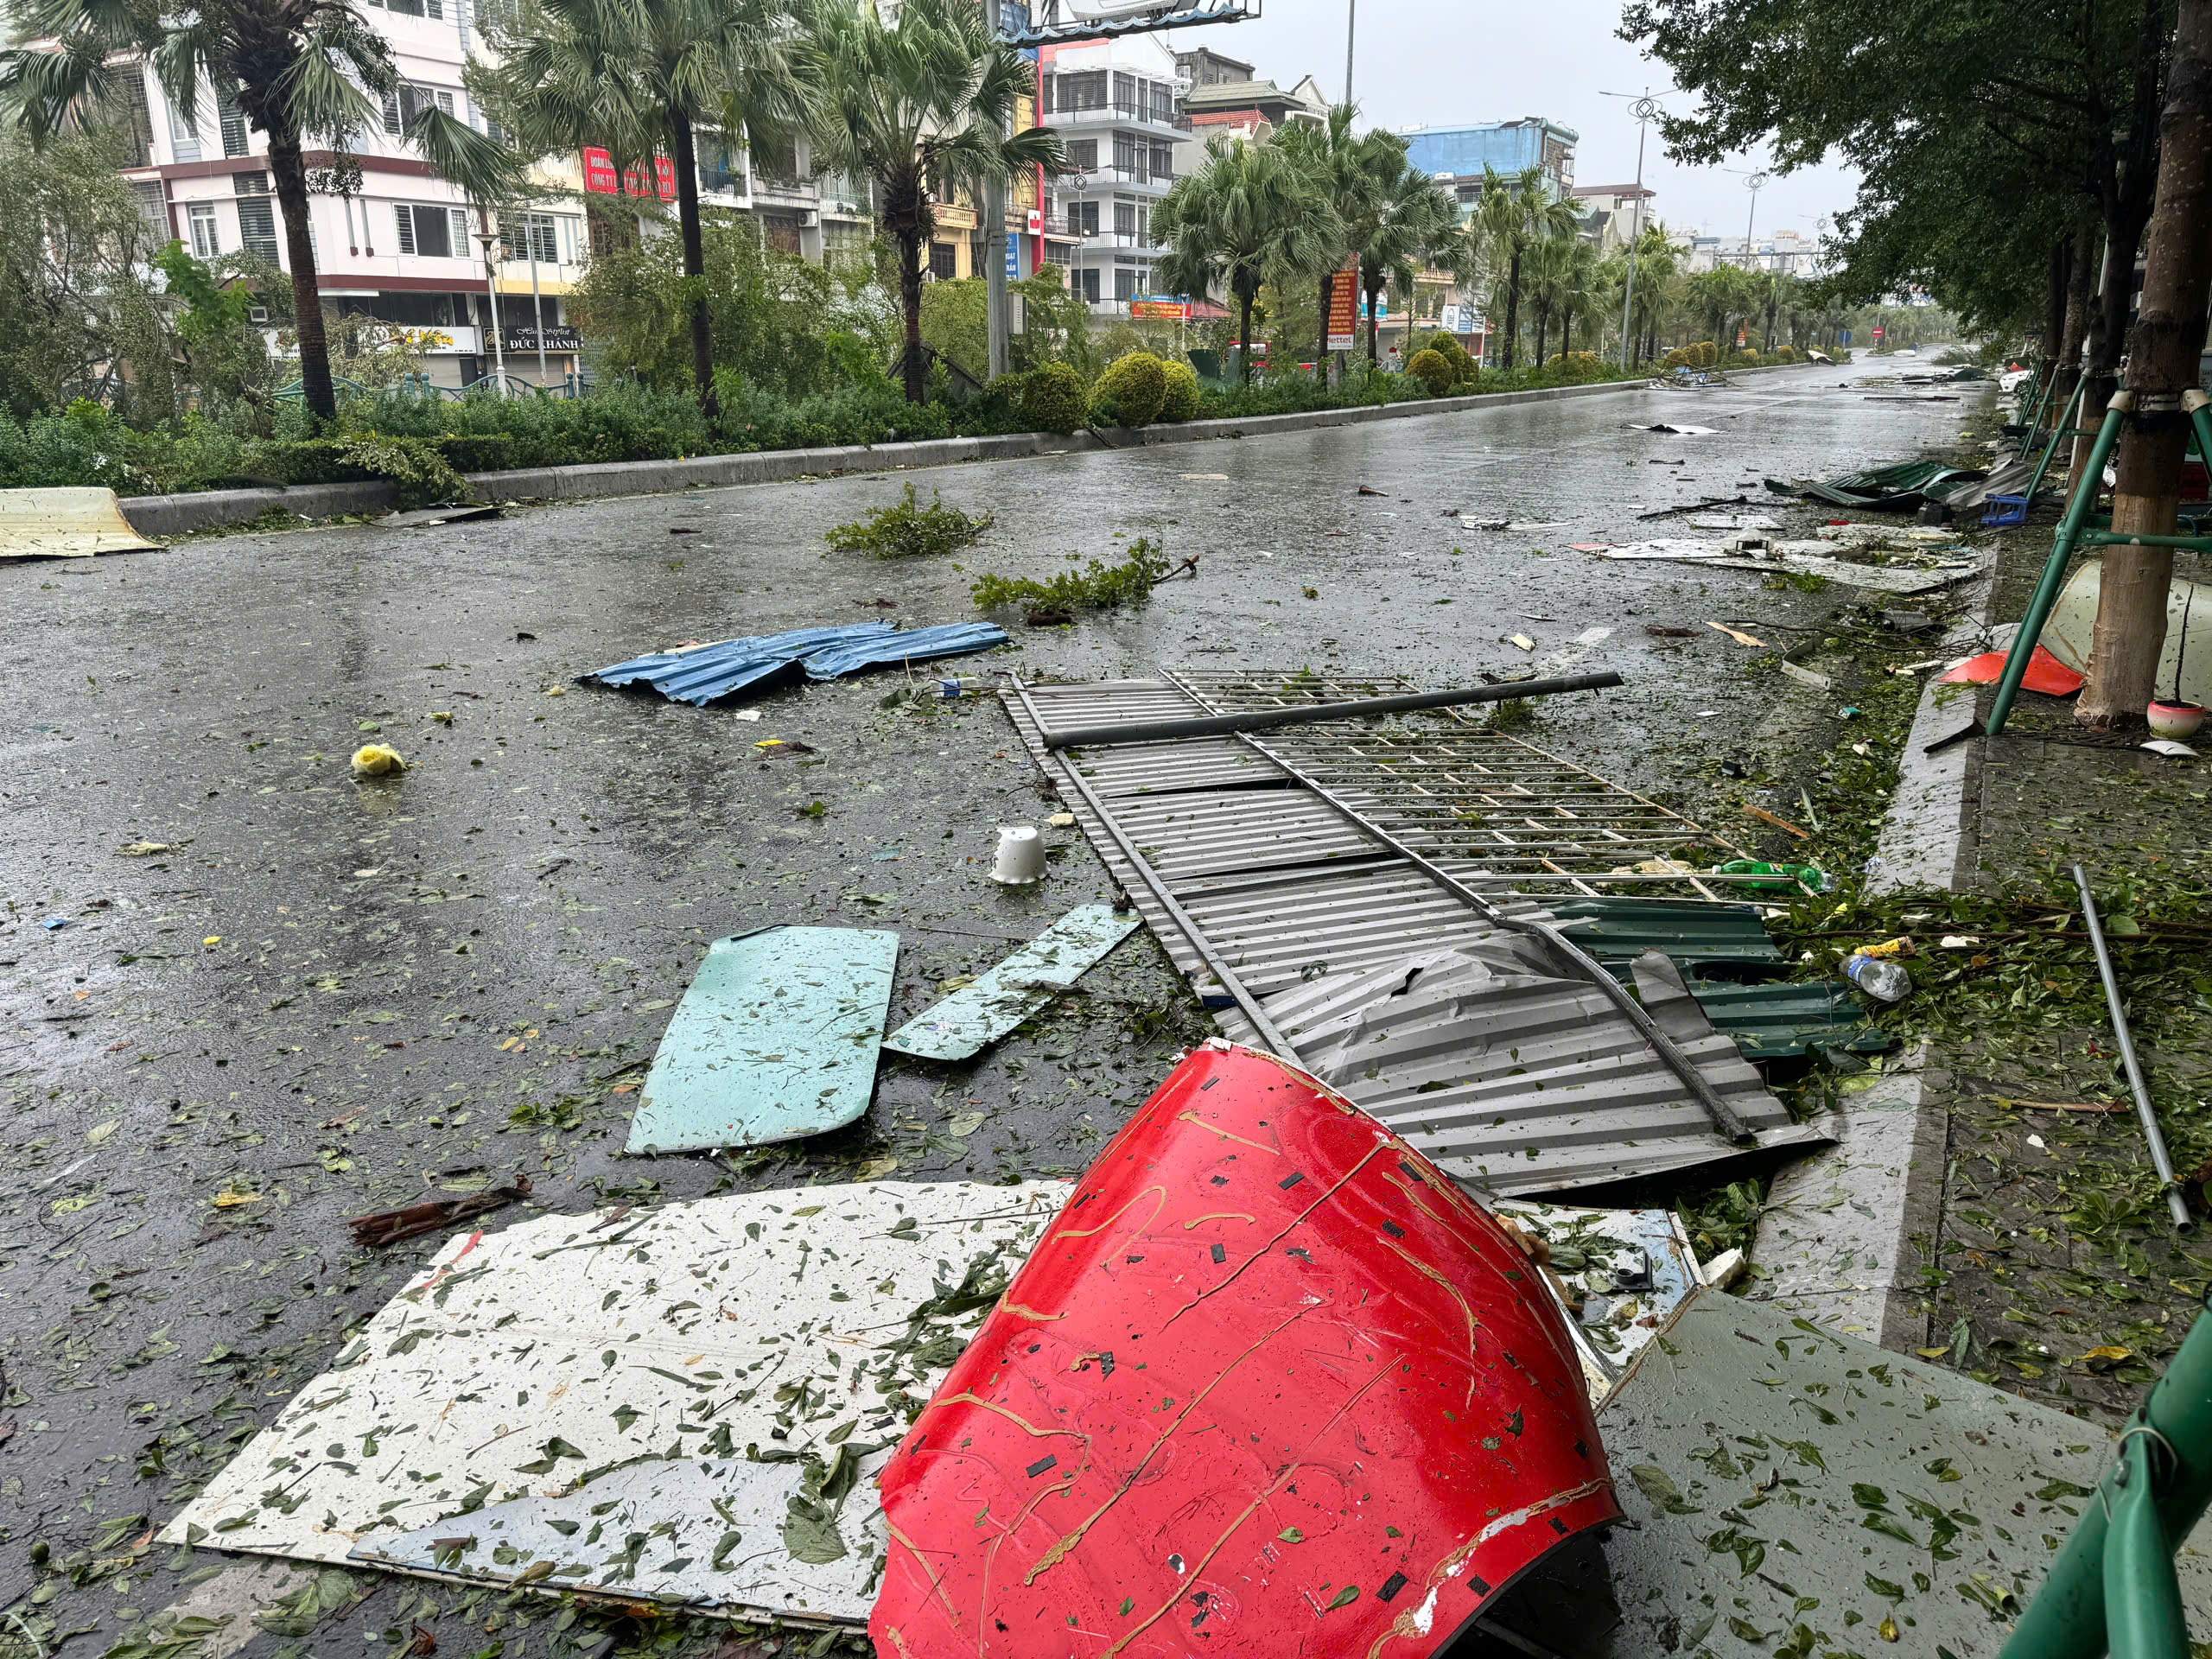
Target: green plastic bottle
x=1809, y=875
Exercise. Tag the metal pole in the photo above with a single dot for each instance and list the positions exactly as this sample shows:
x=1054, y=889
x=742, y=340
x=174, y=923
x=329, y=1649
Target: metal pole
x=536, y=306
x=995, y=247
x=2184, y=1222
x=2068, y=1616
x=1642, y=110
x=1352, y=26
x=487, y=236
x=1257, y=720
x=2053, y=569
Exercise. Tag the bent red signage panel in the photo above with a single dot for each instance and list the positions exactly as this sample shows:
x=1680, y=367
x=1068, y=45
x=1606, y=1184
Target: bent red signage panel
x=601, y=177
x=1271, y=1385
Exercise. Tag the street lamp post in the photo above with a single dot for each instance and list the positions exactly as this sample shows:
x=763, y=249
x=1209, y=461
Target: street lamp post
x=1352, y=27
x=1752, y=182
x=1645, y=109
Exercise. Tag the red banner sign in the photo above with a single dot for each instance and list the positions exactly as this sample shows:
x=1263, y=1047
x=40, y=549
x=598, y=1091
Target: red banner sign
x=1162, y=310
x=1344, y=309
x=601, y=178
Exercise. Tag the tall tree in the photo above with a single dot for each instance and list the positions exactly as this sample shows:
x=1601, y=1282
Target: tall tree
x=2162, y=365
x=1339, y=164
x=1411, y=222
x=2005, y=102
x=305, y=70
x=642, y=79
x=1535, y=214
x=1579, y=284
x=1246, y=215
x=922, y=107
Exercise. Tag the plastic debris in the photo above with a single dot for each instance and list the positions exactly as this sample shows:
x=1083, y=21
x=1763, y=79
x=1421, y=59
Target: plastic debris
x=703, y=673
x=1878, y=977
x=988, y=1006
x=65, y=523
x=376, y=760
x=2045, y=673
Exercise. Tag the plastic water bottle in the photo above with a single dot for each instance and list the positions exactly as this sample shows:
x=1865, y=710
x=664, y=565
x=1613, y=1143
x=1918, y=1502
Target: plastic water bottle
x=1884, y=980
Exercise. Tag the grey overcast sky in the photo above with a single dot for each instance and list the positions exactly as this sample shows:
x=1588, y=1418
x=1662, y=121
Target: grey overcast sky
x=1447, y=62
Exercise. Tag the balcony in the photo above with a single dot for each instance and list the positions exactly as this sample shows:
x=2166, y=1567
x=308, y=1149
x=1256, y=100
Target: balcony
x=1118, y=116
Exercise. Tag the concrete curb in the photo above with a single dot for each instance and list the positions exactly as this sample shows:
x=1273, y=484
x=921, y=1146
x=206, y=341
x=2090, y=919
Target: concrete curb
x=175, y=515
x=1840, y=1226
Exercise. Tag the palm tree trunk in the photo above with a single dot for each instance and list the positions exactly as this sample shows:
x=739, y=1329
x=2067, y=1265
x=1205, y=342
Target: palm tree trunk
x=1543, y=324
x=1373, y=357
x=910, y=302
x=1321, y=351
x=288, y=170
x=1512, y=305
x=694, y=261
x=1566, y=333
x=1244, y=334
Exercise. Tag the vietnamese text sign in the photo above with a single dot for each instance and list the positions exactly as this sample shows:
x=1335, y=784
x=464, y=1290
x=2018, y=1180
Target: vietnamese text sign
x=1344, y=309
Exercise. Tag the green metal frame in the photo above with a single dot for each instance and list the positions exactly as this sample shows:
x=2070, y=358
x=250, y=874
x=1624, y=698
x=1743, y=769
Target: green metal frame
x=2113, y=1587
x=2074, y=532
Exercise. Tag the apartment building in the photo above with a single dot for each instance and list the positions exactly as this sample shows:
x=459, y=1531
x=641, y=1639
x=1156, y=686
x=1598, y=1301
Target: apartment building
x=1456, y=157
x=1117, y=107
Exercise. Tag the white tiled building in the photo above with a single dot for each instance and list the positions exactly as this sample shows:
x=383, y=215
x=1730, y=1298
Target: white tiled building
x=1117, y=107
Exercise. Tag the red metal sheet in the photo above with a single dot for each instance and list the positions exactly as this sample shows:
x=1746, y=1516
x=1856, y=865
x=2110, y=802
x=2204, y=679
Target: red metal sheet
x=1270, y=1385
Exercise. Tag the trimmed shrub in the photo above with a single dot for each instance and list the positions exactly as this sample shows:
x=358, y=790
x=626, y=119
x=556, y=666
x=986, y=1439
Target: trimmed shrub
x=309, y=461
x=1448, y=348
x=1053, y=399
x=1432, y=370
x=1181, y=401
x=1130, y=392
x=476, y=452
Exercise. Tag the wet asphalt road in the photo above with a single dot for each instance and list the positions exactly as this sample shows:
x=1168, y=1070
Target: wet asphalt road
x=331, y=996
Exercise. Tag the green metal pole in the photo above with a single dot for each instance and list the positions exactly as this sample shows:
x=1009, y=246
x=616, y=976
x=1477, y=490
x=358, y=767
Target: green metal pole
x=2053, y=569
x=2068, y=1618
x=2049, y=379
x=2143, y=1615
x=2049, y=449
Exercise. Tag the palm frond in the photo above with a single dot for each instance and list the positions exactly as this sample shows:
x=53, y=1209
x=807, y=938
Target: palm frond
x=486, y=169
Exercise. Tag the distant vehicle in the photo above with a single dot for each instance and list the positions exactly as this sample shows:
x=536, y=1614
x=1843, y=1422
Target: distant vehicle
x=1907, y=351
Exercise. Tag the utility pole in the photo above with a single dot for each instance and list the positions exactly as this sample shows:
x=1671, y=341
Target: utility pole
x=489, y=237
x=2162, y=370
x=1752, y=184
x=996, y=351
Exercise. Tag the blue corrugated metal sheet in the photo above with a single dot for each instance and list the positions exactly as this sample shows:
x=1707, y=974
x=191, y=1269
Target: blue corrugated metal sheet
x=1506, y=146
x=916, y=645
x=706, y=674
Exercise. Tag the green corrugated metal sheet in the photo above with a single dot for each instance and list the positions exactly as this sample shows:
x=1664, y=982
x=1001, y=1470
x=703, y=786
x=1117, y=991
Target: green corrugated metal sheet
x=1720, y=947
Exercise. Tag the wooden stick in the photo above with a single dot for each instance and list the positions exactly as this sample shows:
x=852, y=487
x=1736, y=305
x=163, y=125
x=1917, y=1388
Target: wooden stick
x=1765, y=817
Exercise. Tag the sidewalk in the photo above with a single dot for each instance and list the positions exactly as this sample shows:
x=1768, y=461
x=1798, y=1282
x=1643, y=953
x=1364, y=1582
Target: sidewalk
x=2055, y=1270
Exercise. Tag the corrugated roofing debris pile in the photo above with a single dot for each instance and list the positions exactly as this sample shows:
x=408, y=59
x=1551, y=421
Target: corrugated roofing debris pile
x=1298, y=1365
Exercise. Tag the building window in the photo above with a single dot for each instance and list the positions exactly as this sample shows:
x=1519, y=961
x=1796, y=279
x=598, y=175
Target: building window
x=1125, y=155
x=1083, y=219
x=1125, y=218
x=124, y=106
x=206, y=238
x=1163, y=102
x=777, y=163
x=1128, y=93
x=942, y=261
x=1083, y=155
x=1125, y=282
x=1163, y=162
x=844, y=243
x=256, y=216
x=229, y=119
x=1082, y=92
x=780, y=233
x=1087, y=280
x=432, y=233
x=152, y=207
x=401, y=103
x=1058, y=253
x=184, y=141
x=434, y=10
x=529, y=236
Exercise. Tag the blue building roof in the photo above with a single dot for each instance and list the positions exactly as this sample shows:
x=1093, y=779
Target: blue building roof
x=1507, y=147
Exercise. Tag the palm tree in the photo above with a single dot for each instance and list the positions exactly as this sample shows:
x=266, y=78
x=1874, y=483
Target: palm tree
x=304, y=70
x=640, y=79
x=1579, y=284
x=1543, y=275
x=1535, y=215
x=1248, y=213
x=1337, y=163
x=922, y=108
x=1413, y=221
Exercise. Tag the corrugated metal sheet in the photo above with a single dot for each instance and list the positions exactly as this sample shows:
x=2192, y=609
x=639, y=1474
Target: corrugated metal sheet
x=705, y=674
x=1617, y=929
x=1777, y=1021
x=1305, y=909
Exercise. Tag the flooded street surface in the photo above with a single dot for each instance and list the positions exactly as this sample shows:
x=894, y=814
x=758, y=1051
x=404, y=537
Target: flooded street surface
x=329, y=996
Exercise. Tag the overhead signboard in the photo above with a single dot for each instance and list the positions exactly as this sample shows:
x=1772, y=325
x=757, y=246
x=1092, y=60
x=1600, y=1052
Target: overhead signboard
x=1165, y=310
x=1344, y=309
x=601, y=178
x=558, y=337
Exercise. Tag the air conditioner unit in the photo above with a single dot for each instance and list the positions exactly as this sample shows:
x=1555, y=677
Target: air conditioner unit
x=259, y=314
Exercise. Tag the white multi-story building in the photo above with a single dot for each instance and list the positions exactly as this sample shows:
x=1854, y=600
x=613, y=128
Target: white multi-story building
x=1117, y=107
x=409, y=249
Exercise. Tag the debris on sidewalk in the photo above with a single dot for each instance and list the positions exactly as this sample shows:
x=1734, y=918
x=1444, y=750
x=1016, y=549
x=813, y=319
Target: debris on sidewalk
x=2045, y=673
x=1679, y=431
x=65, y=523
x=1619, y=1274
x=547, y=1363
x=1738, y=635
x=395, y=1226
x=430, y=518
x=1896, y=488
x=703, y=674
x=1960, y=1492
x=2184, y=673
x=776, y=1038
x=1268, y=1373
x=377, y=760
x=981, y=1011
x=1811, y=558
